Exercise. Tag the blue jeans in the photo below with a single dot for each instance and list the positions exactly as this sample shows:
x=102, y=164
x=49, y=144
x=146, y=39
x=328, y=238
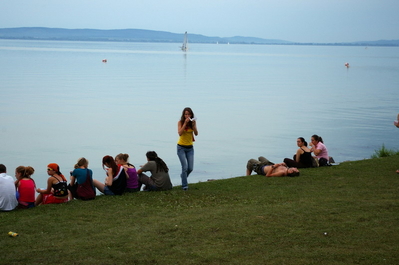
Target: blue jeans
x=186, y=157
x=107, y=191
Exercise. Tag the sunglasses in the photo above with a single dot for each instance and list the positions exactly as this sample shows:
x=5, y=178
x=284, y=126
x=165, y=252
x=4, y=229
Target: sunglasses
x=50, y=169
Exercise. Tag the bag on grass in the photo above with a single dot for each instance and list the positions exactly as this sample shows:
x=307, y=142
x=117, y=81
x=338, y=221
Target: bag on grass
x=315, y=162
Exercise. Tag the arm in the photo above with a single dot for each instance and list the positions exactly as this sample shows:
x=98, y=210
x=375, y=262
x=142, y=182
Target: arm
x=195, y=127
x=143, y=169
x=315, y=150
x=109, y=178
x=270, y=173
x=73, y=179
x=180, y=127
x=299, y=152
x=126, y=167
x=48, y=190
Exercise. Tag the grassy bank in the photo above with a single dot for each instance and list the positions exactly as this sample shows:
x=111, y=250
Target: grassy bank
x=345, y=214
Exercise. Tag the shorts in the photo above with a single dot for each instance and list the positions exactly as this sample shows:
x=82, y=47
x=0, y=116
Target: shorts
x=107, y=191
x=252, y=164
x=26, y=205
x=51, y=199
x=261, y=170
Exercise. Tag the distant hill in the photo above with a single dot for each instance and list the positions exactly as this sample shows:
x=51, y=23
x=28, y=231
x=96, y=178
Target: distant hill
x=131, y=35
x=141, y=35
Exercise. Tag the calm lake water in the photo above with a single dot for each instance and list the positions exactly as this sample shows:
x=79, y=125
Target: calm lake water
x=60, y=102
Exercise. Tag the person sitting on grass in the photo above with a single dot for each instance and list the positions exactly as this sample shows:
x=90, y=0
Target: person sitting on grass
x=81, y=180
x=115, y=180
x=8, y=198
x=57, y=187
x=132, y=182
x=320, y=150
x=264, y=167
x=26, y=187
x=303, y=156
x=159, y=179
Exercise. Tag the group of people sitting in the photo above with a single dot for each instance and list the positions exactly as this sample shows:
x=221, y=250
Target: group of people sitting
x=121, y=177
x=302, y=159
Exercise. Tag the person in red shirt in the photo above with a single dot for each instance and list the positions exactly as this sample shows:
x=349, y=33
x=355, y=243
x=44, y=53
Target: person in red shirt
x=25, y=186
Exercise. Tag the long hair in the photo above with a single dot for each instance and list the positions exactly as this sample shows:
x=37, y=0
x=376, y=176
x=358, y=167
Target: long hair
x=317, y=138
x=82, y=162
x=109, y=161
x=124, y=157
x=161, y=165
x=26, y=172
x=182, y=118
x=303, y=141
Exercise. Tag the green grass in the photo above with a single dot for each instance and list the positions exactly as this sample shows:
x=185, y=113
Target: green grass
x=384, y=152
x=243, y=220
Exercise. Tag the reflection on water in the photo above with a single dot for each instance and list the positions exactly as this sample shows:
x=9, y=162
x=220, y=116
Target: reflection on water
x=60, y=102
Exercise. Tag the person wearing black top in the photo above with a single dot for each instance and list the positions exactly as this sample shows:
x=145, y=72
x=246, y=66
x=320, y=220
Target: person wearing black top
x=303, y=156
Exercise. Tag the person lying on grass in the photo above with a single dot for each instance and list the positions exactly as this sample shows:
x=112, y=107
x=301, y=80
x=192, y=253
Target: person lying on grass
x=266, y=168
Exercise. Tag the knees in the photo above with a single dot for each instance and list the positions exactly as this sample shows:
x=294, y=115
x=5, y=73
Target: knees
x=187, y=169
x=252, y=163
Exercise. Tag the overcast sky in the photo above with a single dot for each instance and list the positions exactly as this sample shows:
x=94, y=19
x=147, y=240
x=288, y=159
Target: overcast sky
x=292, y=20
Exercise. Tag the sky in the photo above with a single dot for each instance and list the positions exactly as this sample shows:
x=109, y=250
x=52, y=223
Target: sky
x=319, y=21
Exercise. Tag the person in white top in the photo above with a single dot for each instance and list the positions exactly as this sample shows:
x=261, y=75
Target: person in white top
x=8, y=198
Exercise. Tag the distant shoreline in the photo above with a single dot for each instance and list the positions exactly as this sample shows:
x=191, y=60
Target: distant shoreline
x=222, y=43
x=151, y=36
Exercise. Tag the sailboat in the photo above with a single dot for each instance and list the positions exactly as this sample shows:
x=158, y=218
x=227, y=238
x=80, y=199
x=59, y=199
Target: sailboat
x=184, y=47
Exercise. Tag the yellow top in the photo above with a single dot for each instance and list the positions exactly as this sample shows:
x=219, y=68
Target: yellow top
x=186, y=138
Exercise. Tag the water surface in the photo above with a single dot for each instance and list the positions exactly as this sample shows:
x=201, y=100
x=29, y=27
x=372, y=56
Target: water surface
x=60, y=102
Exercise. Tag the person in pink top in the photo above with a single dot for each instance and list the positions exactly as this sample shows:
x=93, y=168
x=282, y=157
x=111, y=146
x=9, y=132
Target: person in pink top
x=25, y=186
x=319, y=149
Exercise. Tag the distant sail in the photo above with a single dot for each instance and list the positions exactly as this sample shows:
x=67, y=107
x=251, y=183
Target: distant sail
x=184, y=47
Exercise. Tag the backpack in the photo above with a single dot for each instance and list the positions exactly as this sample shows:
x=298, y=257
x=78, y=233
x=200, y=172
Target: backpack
x=85, y=191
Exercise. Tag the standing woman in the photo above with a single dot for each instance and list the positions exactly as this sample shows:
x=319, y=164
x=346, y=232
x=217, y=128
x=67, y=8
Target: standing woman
x=115, y=180
x=132, y=182
x=57, y=188
x=26, y=187
x=186, y=128
x=319, y=149
x=303, y=156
